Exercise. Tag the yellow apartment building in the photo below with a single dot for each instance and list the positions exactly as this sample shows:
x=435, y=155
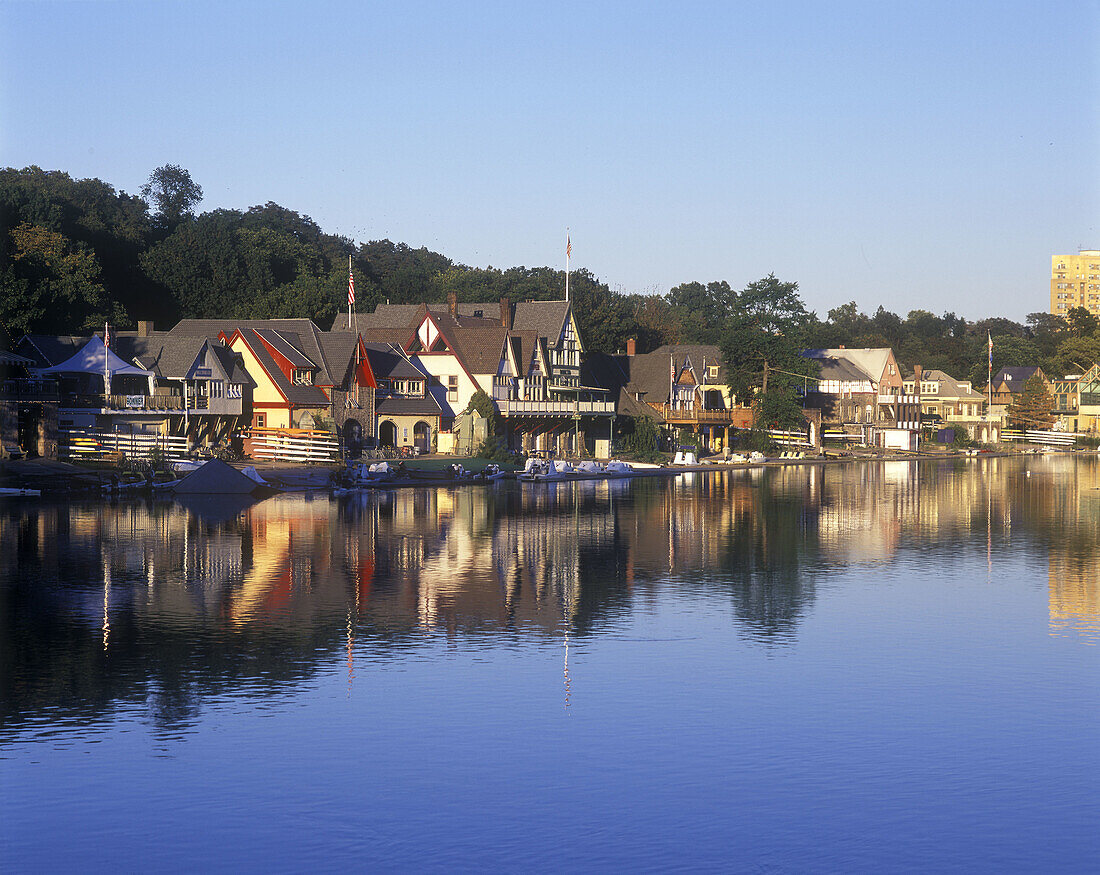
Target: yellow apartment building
x=1075, y=282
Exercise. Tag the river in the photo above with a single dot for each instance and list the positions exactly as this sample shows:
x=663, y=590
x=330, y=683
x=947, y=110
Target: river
x=869, y=666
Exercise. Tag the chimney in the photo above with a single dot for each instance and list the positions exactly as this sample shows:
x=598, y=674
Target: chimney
x=144, y=328
x=631, y=346
x=505, y=314
x=917, y=371
x=452, y=304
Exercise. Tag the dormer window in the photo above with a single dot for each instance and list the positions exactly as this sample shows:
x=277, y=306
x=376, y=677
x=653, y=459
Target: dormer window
x=712, y=372
x=303, y=377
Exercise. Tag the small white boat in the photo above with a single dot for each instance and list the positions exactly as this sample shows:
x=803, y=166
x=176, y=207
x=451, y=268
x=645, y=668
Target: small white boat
x=615, y=468
x=539, y=471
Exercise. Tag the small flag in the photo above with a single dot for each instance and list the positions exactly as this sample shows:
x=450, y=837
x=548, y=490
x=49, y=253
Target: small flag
x=351, y=288
x=990, y=337
x=568, y=247
x=107, y=335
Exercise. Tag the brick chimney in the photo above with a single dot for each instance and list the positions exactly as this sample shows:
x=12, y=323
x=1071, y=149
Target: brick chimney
x=631, y=346
x=144, y=328
x=917, y=372
x=505, y=314
x=452, y=304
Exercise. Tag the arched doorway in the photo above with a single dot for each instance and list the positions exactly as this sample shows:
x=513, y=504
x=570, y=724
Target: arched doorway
x=422, y=436
x=353, y=438
x=387, y=433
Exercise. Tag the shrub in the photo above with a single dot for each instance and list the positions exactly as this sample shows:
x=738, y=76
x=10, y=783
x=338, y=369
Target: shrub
x=640, y=439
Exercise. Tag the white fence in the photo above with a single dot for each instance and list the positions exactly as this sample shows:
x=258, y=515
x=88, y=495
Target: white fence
x=1051, y=438
x=292, y=445
x=88, y=445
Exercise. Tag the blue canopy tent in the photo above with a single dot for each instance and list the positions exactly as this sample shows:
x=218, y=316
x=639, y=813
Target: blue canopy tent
x=95, y=358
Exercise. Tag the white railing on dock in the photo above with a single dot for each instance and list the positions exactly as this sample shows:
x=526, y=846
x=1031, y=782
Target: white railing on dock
x=292, y=445
x=791, y=438
x=1053, y=438
x=89, y=445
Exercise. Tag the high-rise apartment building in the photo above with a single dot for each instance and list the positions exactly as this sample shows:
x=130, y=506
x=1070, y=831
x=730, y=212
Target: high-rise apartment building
x=1075, y=282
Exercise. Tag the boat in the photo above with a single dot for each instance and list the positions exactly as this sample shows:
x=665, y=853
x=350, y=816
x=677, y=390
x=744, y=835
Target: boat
x=541, y=471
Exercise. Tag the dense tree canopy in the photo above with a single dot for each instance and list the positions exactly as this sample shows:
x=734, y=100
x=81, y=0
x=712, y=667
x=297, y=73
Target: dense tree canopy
x=77, y=252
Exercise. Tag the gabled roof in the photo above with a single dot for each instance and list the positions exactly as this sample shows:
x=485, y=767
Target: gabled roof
x=168, y=357
x=1016, y=376
x=301, y=334
x=545, y=318
x=871, y=362
x=947, y=386
x=842, y=371
x=49, y=349
x=651, y=373
x=389, y=363
x=303, y=396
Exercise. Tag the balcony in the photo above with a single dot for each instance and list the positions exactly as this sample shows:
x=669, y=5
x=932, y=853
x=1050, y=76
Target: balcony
x=693, y=414
x=152, y=404
x=29, y=390
x=556, y=408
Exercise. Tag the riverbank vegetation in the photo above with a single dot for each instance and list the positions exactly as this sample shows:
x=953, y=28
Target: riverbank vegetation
x=78, y=252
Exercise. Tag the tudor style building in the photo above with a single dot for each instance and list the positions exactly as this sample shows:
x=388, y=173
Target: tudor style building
x=528, y=358
x=861, y=392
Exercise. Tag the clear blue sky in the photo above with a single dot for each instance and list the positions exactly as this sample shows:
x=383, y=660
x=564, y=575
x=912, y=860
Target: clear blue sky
x=924, y=154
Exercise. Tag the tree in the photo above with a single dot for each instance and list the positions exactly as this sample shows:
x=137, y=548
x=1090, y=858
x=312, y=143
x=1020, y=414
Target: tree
x=779, y=408
x=1081, y=322
x=1032, y=408
x=173, y=192
x=764, y=337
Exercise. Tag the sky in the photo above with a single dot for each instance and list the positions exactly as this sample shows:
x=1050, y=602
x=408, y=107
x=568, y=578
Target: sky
x=913, y=155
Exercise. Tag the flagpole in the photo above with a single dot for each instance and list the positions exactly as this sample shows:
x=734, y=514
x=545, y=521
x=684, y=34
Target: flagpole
x=568, y=252
x=351, y=291
x=106, y=372
x=989, y=337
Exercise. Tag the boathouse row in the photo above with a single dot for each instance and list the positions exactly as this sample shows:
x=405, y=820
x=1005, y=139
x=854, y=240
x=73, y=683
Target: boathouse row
x=399, y=376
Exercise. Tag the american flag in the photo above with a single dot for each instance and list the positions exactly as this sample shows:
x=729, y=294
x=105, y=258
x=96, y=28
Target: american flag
x=107, y=335
x=351, y=288
x=990, y=338
x=568, y=247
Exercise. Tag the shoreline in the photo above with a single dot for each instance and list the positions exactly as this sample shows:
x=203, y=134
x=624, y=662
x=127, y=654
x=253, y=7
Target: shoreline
x=57, y=479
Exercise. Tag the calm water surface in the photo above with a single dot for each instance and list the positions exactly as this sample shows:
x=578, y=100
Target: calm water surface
x=879, y=667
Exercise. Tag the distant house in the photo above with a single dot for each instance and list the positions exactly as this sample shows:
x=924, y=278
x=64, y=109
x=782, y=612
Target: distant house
x=1009, y=382
x=527, y=357
x=302, y=375
x=406, y=413
x=861, y=392
x=150, y=383
x=682, y=386
x=949, y=403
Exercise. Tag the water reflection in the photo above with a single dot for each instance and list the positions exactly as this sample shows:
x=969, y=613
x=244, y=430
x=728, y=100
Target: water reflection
x=153, y=605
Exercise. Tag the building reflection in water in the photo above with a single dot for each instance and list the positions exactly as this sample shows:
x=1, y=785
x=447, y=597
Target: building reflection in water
x=159, y=601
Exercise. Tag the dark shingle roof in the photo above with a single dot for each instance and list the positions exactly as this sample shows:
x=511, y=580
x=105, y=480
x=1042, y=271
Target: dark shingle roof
x=306, y=396
x=426, y=406
x=46, y=350
x=651, y=372
x=546, y=318
x=1016, y=376
x=388, y=363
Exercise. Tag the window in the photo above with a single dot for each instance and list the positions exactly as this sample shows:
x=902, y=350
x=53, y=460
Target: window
x=259, y=420
x=302, y=377
x=712, y=372
x=452, y=388
x=892, y=370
